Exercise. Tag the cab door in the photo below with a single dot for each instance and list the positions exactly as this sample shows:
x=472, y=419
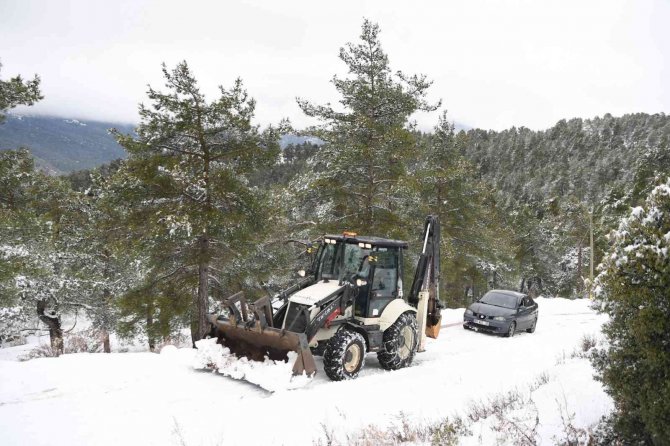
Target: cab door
x=384, y=284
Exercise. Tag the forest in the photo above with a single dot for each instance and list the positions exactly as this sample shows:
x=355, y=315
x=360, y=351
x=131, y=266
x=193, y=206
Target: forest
x=206, y=203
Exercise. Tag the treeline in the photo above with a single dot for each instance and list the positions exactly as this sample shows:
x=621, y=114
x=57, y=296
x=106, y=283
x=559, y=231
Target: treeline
x=207, y=204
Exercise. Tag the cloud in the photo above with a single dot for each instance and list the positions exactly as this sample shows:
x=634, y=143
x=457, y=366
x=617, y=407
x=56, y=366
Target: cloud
x=494, y=64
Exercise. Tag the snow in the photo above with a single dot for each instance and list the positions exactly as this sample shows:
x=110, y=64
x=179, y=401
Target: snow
x=270, y=375
x=158, y=399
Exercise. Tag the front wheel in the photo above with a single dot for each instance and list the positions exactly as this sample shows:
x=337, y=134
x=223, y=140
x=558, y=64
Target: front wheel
x=344, y=355
x=511, y=330
x=400, y=342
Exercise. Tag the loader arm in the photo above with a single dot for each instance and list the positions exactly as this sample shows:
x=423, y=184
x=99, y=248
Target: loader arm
x=425, y=291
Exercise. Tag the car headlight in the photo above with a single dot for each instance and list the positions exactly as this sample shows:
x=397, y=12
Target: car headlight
x=499, y=318
x=469, y=312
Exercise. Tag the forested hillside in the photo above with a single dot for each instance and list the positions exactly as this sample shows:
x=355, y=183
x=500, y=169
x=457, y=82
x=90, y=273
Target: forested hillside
x=586, y=159
x=62, y=145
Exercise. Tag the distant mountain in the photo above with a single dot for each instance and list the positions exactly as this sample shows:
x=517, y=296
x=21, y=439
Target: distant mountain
x=62, y=145
x=295, y=140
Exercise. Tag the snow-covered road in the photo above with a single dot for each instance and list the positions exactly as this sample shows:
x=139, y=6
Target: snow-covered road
x=146, y=398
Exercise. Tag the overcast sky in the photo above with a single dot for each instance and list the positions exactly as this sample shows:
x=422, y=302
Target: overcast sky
x=494, y=63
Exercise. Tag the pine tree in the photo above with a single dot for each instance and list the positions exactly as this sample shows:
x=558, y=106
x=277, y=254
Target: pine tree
x=632, y=288
x=368, y=141
x=473, y=244
x=15, y=91
x=41, y=224
x=187, y=169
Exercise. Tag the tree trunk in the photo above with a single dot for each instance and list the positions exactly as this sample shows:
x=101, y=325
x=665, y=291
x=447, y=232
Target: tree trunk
x=202, y=305
x=580, y=282
x=150, y=328
x=52, y=320
x=106, y=304
x=106, y=348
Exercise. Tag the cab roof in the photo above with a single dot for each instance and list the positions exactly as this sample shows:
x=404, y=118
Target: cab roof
x=375, y=241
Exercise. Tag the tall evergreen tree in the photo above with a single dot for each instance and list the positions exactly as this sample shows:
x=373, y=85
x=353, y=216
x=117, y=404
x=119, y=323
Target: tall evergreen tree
x=368, y=140
x=188, y=169
x=474, y=244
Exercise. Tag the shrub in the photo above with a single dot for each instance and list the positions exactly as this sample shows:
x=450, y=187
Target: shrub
x=85, y=341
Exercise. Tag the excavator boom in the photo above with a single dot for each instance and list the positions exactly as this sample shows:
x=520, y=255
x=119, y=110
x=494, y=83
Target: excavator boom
x=426, y=284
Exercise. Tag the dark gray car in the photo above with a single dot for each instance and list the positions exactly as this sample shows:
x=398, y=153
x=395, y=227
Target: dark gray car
x=502, y=312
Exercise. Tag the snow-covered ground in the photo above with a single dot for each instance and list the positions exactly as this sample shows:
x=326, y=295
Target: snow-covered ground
x=147, y=398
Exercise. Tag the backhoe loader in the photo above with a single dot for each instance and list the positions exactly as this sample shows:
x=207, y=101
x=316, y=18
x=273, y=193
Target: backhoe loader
x=348, y=303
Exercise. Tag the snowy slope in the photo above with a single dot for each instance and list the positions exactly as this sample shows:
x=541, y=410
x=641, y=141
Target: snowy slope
x=145, y=398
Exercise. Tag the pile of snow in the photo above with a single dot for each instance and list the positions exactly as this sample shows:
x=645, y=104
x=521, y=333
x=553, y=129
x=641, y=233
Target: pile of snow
x=271, y=375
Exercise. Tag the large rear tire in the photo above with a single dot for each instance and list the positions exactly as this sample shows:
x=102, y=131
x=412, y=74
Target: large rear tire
x=400, y=342
x=344, y=356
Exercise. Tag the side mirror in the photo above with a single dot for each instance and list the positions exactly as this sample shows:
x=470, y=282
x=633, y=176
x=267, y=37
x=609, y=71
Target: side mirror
x=301, y=273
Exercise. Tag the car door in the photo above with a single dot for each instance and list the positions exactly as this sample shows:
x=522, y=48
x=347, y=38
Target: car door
x=523, y=318
x=533, y=314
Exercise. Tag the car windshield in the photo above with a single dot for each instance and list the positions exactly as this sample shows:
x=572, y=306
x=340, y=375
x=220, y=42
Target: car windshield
x=330, y=266
x=499, y=300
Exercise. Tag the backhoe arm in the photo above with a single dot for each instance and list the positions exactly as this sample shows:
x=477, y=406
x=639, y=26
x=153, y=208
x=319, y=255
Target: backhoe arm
x=425, y=291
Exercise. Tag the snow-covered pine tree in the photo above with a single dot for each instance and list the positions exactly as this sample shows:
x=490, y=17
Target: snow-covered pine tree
x=473, y=241
x=188, y=167
x=41, y=222
x=356, y=182
x=633, y=288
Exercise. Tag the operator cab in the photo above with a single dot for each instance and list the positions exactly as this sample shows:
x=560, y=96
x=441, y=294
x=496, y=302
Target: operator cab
x=374, y=264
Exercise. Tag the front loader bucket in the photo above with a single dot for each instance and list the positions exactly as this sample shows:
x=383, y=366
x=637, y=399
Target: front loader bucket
x=256, y=343
x=255, y=351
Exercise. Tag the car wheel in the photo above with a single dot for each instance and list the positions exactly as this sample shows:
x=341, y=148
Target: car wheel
x=532, y=327
x=511, y=330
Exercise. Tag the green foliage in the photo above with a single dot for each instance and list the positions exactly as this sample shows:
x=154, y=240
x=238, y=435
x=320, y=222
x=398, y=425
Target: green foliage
x=359, y=179
x=16, y=182
x=186, y=182
x=15, y=91
x=633, y=290
x=475, y=249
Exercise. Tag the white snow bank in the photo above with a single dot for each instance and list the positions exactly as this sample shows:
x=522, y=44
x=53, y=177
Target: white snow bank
x=270, y=375
x=143, y=398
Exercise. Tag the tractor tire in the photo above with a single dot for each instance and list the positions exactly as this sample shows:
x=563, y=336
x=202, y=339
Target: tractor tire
x=399, y=344
x=344, y=356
